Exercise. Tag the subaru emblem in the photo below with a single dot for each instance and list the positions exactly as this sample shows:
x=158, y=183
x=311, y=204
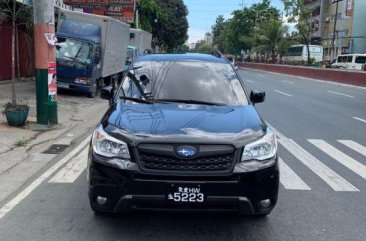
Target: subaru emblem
x=186, y=151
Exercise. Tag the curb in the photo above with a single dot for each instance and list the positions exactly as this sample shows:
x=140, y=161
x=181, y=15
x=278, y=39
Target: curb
x=329, y=82
x=73, y=145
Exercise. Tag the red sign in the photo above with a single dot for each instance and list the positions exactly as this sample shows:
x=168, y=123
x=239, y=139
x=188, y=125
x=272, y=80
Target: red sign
x=349, y=8
x=52, y=83
x=119, y=9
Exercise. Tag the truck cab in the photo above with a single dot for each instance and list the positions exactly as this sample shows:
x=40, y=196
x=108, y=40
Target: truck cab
x=91, y=51
x=131, y=55
x=78, y=57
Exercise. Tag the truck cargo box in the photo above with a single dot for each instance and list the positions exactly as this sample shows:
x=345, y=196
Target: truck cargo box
x=114, y=37
x=140, y=39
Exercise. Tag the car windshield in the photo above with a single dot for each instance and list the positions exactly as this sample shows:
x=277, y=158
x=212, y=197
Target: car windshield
x=185, y=81
x=69, y=49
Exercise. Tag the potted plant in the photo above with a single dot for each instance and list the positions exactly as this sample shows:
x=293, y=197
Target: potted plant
x=16, y=115
x=17, y=14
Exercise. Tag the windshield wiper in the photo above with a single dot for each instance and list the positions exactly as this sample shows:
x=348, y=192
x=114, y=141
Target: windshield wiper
x=137, y=83
x=199, y=102
x=75, y=59
x=136, y=100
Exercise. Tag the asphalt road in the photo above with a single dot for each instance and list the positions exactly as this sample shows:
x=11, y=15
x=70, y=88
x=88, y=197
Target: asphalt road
x=322, y=145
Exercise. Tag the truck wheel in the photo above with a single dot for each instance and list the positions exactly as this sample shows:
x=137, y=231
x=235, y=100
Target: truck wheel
x=94, y=91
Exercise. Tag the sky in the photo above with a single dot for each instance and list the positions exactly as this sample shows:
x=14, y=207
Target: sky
x=203, y=13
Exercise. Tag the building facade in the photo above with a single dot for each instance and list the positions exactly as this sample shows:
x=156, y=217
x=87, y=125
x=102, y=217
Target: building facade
x=122, y=10
x=341, y=21
x=358, y=40
x=317, y=19
x=208, y=38
x=347, y=21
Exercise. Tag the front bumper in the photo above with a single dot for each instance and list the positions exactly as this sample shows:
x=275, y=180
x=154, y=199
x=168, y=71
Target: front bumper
x=129, y=190
x=75, y=87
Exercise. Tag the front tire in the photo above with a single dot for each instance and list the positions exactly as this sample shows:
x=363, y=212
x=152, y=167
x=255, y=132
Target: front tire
x=94, y=91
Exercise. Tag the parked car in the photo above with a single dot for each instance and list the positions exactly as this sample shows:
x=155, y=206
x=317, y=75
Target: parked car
x=182, y=133
x=350, y=61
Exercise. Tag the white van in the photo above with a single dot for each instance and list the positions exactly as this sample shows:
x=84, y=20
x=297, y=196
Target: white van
x=350, y=61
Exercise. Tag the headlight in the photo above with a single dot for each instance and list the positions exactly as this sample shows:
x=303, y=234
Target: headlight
x=82, y=80
x=262, y=149
x=108, y=146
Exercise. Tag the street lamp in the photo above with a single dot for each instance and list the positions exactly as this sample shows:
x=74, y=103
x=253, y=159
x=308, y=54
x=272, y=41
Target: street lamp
x=335, y=26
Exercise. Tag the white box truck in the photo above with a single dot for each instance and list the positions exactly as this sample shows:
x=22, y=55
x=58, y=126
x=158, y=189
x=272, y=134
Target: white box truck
x=140, y=39
x=91, y=51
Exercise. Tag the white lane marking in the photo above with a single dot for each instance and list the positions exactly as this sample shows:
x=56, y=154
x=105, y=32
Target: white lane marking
x=335, y=181
x=4, y=210
x=72, y=170
x=337, y=93
x=249, y=81
x=289, y=82
x=342, y=158
x=359, y=119
x=289, y=179
x=354, y=146
x=282, y=93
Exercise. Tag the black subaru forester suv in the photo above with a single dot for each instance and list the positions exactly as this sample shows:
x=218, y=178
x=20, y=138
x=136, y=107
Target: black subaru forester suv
x=182, y=133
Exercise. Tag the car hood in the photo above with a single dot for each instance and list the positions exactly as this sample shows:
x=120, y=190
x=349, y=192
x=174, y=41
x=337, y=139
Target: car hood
x=184, y=123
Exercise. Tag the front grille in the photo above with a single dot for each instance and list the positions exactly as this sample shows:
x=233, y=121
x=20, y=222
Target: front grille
x=65, y=79
x=168, y=161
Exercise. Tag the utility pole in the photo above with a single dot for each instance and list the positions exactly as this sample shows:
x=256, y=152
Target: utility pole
x=44, y=23
x=335, y=28
x=242, y=4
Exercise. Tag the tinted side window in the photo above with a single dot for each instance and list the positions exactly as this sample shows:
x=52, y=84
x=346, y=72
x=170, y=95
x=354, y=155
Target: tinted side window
x=344, y=59
x=360, y=60
x=349, y=59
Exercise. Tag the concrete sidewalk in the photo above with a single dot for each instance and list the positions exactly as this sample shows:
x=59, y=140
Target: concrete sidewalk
x=21, y=148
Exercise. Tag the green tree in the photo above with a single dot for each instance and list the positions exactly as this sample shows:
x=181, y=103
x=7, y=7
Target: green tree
x=205, y=48
x=183, y=49
x=219, y=33
x=17, y=14
x=149, y=12
x=271, y=37
x=301, y=15
x=238, y=33
x=172, y=31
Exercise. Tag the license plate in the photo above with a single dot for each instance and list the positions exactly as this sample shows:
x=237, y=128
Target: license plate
x=62, y=85
x=183, y=193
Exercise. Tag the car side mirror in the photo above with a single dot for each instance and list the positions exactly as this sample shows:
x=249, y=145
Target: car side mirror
x=107, y=92
x=257, y=96
x=128, y=62
x=144, y=80
x=97, y=59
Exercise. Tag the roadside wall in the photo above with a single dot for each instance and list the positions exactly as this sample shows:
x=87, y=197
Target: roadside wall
x=26, y=52
x=335, y=75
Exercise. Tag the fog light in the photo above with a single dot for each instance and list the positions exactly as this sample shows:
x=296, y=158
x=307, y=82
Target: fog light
x=265, y=203
x=101, y=200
